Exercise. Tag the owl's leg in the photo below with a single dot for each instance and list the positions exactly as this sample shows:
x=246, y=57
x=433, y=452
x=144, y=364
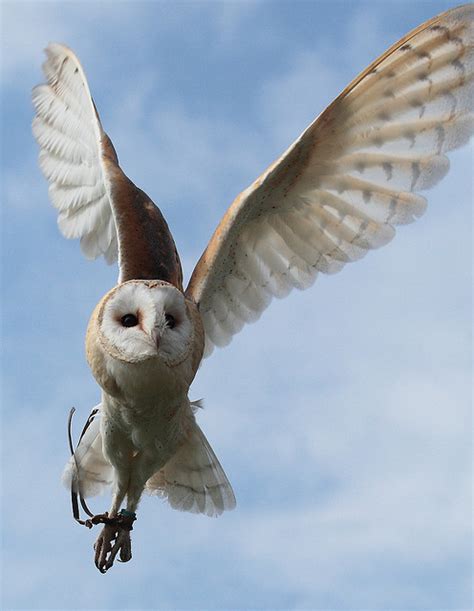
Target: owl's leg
x=144, y=465
x=116, y=540
x=115, y=535
x=111, y=536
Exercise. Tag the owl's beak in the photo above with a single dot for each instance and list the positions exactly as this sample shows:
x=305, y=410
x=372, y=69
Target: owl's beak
x=156, y=336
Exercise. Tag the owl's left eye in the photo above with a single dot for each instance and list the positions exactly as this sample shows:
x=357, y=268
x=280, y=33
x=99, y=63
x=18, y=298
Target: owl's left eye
x=170, y=321
x=129, y=320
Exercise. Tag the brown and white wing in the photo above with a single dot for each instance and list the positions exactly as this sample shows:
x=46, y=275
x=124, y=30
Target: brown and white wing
x=96, y=202
x=351, y=177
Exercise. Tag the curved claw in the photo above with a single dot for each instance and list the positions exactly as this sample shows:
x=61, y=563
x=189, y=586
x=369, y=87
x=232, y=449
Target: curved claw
x=126, y=550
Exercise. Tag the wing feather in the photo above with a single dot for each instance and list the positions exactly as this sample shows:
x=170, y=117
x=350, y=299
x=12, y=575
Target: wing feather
x=193, y=480
x=348, y=181
x=69, y=133
x=88, y=471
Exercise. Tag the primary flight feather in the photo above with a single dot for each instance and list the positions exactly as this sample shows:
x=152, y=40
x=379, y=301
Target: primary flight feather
x=338, y=191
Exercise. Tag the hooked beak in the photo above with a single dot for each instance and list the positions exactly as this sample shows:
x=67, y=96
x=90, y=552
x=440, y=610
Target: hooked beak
x=156, y=336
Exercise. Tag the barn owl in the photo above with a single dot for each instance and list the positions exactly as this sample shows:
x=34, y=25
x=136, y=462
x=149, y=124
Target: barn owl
x=338, y=191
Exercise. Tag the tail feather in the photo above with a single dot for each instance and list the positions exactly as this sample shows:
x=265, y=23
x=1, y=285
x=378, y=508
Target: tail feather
x=88, y=471
x=193, y=480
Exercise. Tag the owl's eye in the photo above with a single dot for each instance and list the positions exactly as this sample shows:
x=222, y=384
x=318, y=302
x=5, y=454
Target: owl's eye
x=129, y=320
x=170, y=321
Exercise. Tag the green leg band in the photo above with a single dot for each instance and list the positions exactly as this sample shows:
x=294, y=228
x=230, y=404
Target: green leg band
x=128, y=514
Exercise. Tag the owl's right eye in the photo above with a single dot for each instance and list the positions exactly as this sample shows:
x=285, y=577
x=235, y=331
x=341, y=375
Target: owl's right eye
x=129, y=320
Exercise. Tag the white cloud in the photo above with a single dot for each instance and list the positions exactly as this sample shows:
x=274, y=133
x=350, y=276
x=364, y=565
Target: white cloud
x=292, y=100
x=230, y=16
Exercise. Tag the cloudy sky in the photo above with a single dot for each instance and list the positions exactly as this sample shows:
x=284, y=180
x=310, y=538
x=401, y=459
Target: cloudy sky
x=342, y=417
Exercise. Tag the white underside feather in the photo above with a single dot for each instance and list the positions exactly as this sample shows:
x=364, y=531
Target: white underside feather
x=69, y=134
x=193, y=480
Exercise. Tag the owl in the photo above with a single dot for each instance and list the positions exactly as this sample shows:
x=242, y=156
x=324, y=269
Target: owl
x=338, y=191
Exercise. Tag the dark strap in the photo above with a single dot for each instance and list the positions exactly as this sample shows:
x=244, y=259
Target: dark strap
x=124, y=519
x=75, y=494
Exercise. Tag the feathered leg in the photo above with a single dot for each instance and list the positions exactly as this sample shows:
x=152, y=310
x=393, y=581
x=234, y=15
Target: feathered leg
x=115, y=539
x=115, y=535
x=143, y=467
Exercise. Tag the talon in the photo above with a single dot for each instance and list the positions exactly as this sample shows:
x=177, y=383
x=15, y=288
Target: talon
x=114, y=539
x=103, y=547
x=126, y=551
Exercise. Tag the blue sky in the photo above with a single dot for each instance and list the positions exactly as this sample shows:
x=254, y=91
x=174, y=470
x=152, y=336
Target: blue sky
x=342, y=418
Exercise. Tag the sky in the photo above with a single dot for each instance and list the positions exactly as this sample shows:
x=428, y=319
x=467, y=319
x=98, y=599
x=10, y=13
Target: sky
x=342, y=417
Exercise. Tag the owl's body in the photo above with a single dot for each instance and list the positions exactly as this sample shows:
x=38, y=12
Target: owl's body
x=146, y=418
x=337, y=192
x=145, y=406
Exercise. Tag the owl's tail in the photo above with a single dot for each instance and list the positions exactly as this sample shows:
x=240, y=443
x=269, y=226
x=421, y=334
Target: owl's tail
x=87, y=472
x=193, y=480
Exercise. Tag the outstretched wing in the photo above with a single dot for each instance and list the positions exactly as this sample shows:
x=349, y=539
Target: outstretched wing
x=96, y=202
x=349, y=179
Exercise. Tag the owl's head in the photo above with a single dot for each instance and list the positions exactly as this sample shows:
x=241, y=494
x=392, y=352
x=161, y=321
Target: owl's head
x=144, y=319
